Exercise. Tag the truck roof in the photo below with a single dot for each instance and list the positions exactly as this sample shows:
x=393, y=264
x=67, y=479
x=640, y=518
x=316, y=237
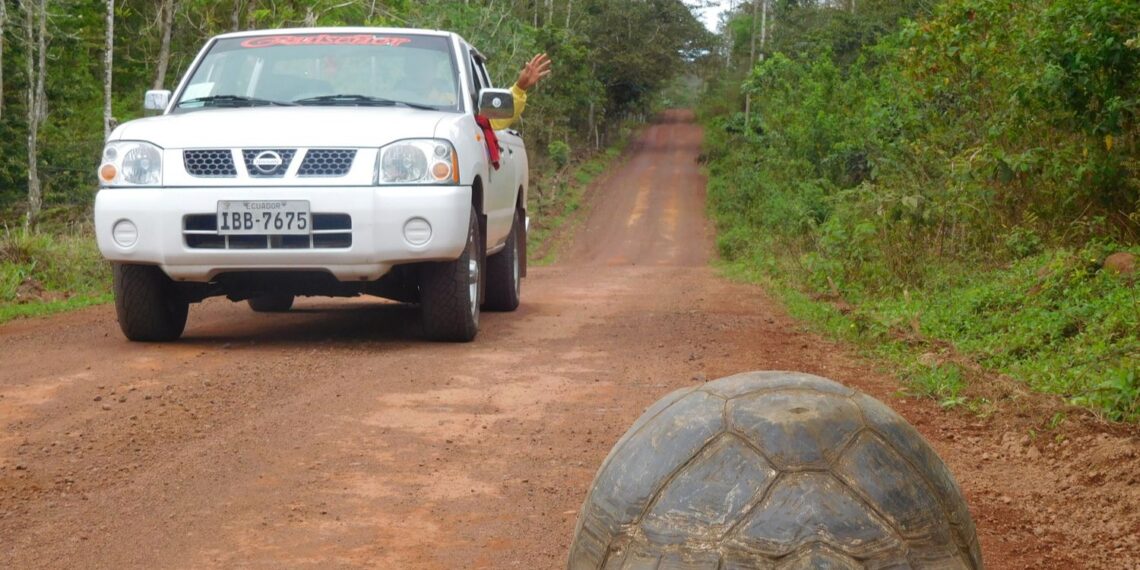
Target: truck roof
x=337, y=30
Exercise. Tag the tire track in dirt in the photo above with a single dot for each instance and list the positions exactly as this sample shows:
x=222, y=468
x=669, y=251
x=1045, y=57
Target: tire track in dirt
x=331, y=436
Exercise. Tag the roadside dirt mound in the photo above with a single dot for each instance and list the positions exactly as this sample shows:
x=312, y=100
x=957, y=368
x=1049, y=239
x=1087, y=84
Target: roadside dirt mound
x=32, y=290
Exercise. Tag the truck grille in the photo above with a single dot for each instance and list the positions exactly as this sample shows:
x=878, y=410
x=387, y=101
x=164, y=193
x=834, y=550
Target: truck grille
x=327, y=162
x=269, y=162
x=214, y=163
x=330, y=231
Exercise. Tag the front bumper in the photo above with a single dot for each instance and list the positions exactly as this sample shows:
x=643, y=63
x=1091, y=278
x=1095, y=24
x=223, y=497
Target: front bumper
x=378, y=219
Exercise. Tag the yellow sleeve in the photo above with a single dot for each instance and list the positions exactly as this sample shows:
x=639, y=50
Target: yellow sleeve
x=520, y=104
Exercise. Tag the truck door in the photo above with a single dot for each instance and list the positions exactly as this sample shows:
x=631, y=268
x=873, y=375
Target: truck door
x=503, y=183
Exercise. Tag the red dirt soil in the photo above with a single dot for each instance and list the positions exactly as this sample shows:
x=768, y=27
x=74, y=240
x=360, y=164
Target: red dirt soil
x=332, y=436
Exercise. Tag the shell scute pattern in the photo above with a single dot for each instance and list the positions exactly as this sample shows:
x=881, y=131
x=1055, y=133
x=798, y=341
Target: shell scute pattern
x=904, y=439
x=818, y=557
x=885, y=480
x=710, y=494
x=622, y=494
x=773, y=470
x=797, y=429
x=806, y=507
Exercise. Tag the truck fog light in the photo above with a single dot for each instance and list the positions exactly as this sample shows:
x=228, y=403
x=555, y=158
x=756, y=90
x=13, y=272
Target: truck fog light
x=125, y=233
x=417, y=231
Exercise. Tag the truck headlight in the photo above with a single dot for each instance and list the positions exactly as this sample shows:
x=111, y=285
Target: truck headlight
x=131, y=163
x=418, y=161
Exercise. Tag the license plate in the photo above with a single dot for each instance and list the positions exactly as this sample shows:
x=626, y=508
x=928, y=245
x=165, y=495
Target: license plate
x=264, y=217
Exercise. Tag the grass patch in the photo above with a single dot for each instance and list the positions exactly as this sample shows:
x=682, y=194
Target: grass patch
x=10, y=311
x=49, y=272
x=1055, y=321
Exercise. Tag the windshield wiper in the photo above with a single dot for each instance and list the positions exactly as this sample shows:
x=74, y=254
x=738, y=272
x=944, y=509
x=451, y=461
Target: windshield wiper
x=362, y=100
x=233, y=101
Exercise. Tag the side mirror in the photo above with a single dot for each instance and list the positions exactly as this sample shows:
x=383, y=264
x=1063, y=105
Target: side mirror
x=496, y=103
x=156, y=100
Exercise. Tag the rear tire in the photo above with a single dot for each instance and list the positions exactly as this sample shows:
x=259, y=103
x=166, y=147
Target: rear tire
x=449, y=291
x=148, y=307
x=271, y=303
x=504, y=271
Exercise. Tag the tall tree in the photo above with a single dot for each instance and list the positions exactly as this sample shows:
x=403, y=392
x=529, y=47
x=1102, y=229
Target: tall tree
x=235, y=17
x=3, y=26
x=763, y=4
x=35, y=20
x=167, y=10
x=108, y=63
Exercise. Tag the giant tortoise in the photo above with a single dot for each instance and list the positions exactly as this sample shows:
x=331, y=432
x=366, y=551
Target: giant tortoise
x=773, y=470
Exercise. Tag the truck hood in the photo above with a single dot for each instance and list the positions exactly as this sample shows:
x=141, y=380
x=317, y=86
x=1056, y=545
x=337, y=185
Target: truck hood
x=277, y=127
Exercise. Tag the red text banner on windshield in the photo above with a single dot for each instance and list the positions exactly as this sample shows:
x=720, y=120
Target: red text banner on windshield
x=324, y=40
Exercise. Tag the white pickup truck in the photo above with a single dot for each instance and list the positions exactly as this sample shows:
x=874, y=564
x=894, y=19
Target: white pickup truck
x=318, y=162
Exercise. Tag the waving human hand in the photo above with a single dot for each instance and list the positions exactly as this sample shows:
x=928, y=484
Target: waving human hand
x=534, y=70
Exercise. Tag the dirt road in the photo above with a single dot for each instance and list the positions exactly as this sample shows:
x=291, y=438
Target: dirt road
x=333, y=437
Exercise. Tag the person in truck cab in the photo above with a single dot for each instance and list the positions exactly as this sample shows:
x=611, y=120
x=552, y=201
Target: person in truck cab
x=423, y=84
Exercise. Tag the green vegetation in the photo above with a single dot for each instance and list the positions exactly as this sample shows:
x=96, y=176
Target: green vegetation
x=50, y=271
x=952, y=174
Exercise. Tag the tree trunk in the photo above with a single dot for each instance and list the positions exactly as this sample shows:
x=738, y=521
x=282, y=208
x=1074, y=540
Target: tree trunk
x=3, y=25
x=35, y=16
x=235, y=18
x=752, y=63
x=728, y=33
x=167, y=8
x=108, y=63
x=765, y=25
x=763, y=28
x=569, y=10
x=593, y=120
x=592, y=126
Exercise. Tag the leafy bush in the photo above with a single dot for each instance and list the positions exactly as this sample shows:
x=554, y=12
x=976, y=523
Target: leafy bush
x=559, y=153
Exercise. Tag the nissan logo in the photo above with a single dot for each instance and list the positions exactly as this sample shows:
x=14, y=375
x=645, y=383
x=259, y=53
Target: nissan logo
x=267, y=161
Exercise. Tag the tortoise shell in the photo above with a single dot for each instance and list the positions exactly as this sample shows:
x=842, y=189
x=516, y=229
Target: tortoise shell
x=773, y=470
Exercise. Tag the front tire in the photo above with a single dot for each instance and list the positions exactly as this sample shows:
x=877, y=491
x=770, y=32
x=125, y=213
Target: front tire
x=271, y=303
x=148, y=307
x=504, y=270
x=449, y=291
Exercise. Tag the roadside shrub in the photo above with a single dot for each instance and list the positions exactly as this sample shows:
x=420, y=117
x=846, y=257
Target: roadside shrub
x=559, y=152
x=1023, y=242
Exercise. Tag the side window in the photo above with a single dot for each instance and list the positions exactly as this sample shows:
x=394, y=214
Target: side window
x=478, y=78
x=483, y=73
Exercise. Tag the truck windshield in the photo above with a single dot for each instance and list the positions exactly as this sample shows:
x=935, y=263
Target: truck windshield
x=319, y=69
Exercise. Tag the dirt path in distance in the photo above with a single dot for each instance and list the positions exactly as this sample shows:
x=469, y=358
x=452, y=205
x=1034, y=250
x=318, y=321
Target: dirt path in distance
x=332, y=436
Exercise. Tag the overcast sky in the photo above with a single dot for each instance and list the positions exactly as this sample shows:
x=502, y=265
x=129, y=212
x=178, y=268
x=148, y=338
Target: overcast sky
x=710, y=15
